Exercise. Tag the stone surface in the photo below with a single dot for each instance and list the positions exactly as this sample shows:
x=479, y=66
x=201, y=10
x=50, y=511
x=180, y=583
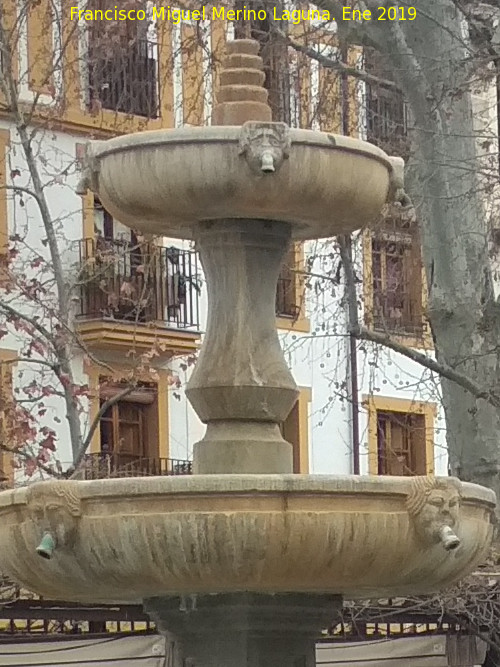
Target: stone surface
x=125, y=540
x=245, y=630
x=241, y=96
x=241, y=385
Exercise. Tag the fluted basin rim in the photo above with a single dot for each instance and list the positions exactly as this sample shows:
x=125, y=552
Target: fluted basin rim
x=231, y=134
x=195, y=484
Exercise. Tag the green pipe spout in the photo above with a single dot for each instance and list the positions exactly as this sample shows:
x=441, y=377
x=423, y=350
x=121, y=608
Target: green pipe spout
x=47, y=546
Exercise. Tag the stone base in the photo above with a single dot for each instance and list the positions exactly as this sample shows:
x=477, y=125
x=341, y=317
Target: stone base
x=244, y=629
x=243, y=448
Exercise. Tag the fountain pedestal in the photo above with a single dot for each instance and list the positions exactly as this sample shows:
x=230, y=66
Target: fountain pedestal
x=241, y=386
x=245, y=630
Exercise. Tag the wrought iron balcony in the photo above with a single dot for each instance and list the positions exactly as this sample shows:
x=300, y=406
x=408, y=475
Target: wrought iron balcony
x=142, y=283
x=124, y=76
x=109, y=465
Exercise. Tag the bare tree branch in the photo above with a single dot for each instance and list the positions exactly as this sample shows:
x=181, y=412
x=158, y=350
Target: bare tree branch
x=336, y=65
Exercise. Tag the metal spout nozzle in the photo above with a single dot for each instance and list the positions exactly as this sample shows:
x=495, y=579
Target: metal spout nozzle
x=448, y=538
x=267, y=163
x=47, y=546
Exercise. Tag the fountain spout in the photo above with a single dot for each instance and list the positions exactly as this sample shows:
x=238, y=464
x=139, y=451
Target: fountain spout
x=448, y=538
x=47, y=546
x=267, y=163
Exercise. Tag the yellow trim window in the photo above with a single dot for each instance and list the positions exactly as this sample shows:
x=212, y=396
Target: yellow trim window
x=136, y=428
x=291, y=292
x=394, y=283
x=400, y=436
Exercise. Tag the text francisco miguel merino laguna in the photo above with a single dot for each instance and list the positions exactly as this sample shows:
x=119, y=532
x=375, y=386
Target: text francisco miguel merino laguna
x=177, y=16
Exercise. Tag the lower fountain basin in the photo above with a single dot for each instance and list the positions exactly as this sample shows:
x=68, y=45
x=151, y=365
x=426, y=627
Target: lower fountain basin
x=163, y=182
x=124, y=540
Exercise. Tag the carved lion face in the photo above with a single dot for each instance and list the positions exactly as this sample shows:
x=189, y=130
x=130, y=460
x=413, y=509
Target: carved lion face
x=260, y=139
x=53, y=507
x=440, y=509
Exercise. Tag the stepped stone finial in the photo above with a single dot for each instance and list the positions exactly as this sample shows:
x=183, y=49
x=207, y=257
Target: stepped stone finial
x=242, y=96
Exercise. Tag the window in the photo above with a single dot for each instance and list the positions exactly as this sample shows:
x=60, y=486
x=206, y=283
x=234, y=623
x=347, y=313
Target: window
x=295, y=430
x=287, y=296
x=386, y=110
x=123, y=66
x=394, y=282
x=122, y=430
x=290, y=292
x=129, y=280
x=400, y=444
x=401, y=436
x=129, y=431
x=386, y=118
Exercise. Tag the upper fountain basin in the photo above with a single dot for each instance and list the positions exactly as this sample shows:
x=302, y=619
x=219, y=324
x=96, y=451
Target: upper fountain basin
x=163, y=182
x=123, y=540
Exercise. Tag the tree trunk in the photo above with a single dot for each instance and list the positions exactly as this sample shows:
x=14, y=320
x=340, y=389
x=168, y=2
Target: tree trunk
x=462, y=309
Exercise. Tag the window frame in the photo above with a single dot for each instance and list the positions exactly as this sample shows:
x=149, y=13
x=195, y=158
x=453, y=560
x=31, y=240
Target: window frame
x=293, y=269
x=384, y=404
x=421, y=337
x=160, y=406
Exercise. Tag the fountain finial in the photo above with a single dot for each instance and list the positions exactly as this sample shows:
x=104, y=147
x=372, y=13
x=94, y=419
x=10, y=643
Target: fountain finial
x=242, y=96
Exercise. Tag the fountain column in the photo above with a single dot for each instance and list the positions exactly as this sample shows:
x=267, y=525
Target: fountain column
x=241, y=386
x=242, y=389
x=246, y=630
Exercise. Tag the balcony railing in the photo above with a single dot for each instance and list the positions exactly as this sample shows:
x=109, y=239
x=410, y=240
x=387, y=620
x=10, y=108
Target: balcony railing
x=141, y=283
x=104, y=466
x=124, y=77
x=397, y=321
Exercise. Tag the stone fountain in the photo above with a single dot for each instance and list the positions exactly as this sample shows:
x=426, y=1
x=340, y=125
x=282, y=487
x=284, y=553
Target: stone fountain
x=243, y=563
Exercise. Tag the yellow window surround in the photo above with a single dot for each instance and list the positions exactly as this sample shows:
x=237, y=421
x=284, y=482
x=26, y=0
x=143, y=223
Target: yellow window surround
x=10, y=26
x=417, y=284
x=4, y=219
x=7, y=364
x=40, y=47
x=383, y=404
x=295, y=430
